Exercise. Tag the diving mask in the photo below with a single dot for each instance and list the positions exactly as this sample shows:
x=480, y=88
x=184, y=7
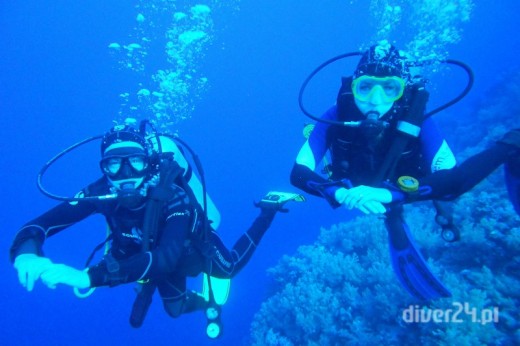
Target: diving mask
x=126, y=173
x=113, y=165
x=389, y=88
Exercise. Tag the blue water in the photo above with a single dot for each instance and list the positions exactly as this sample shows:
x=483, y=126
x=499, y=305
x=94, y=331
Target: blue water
x=58, y=85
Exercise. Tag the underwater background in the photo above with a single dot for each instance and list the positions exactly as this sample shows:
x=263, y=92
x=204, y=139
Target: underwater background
x=225, y=76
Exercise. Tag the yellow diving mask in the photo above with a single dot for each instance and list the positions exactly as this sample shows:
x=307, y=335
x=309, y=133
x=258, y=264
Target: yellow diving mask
x=390, y=88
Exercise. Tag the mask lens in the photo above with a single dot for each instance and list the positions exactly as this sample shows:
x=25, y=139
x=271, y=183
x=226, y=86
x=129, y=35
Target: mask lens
x=137, y=162
x=112, y=165
x=391, y=88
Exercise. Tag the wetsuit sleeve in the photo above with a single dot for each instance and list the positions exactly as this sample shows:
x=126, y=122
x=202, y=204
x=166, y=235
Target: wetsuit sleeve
x=180, y=219
x=450, y=184
x=303, y=174
x=227, y=264
x=31, y=236
x=303, y=178
x=448, y=181
x=436, y=153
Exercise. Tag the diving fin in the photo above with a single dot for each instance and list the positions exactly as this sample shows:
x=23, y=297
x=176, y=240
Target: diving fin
x=220, y=288
x=408, y=263
x=276, y=200
x=142, y=302
x=512, y=177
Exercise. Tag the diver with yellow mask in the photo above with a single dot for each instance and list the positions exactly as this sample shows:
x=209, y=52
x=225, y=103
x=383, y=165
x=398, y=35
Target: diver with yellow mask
x=385, y=150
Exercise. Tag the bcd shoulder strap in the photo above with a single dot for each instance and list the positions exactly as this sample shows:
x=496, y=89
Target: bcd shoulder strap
x=158, y=195
x=408, y=127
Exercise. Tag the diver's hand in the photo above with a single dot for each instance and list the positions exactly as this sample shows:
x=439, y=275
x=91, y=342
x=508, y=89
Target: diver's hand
x=372, y=207
x=30, y=267
x=63, y=274
x=365, y=198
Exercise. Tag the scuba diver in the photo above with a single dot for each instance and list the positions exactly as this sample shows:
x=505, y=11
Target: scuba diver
x=385, y=151
x=159, y=232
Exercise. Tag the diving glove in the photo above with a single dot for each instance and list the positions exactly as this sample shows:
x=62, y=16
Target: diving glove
x=30, y=267
x=63, y=274
x=276, y=200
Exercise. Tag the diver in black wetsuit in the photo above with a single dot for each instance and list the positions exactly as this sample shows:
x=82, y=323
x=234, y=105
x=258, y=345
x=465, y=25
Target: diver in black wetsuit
x=384, y=153
x=182, y=243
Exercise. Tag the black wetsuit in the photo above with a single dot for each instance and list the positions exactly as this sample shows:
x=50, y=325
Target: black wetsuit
x=174, y=255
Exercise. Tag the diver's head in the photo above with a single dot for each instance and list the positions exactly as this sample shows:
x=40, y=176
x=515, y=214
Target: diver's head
x=379, y=80
x=124, y=157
